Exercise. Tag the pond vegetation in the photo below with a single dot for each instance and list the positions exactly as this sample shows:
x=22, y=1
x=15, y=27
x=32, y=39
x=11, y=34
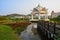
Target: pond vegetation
x=10, y=29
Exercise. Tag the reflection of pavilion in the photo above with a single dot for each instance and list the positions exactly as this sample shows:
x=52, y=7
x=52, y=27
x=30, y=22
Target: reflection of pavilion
x=39, y=13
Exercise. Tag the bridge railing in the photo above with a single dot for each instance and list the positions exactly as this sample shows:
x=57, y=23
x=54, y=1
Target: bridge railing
x=47, y=29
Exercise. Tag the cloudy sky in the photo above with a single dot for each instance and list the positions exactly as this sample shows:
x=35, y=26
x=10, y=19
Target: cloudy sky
x=25, y=6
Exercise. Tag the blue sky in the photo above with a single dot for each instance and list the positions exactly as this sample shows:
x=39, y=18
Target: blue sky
x=25, y=6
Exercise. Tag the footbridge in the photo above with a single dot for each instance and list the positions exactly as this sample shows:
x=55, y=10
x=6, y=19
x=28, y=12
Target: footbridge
x=46, y=30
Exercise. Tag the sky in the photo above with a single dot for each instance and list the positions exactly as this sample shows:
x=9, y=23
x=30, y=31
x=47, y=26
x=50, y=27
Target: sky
x=25, y=6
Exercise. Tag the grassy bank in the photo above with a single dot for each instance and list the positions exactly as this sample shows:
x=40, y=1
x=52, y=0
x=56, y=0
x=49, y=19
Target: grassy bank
x=12, y=27
x=7, y=33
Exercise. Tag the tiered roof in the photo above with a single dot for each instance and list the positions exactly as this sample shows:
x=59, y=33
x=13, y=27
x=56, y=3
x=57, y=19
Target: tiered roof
x=40, y=9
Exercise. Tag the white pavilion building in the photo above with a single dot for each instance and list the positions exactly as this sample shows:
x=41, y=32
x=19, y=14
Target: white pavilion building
x=39, y=12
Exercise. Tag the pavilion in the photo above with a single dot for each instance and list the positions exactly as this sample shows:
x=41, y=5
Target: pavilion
x=39, y=13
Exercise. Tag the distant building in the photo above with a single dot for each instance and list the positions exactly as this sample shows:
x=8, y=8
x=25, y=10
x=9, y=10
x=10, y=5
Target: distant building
x=28, y=16
x=53, y=14
x=21, y=16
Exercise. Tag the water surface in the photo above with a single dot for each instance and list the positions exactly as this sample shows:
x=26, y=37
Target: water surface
x=28, y=34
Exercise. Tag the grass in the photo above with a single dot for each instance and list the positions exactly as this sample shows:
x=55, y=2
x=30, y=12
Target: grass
x=6, y=33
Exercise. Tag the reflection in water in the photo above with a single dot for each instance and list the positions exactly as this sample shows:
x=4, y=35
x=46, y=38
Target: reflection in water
x=28, y=34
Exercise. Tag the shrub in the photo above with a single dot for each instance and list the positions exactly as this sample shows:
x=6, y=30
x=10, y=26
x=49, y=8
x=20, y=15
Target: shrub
x=19, y=24
x=19, y=30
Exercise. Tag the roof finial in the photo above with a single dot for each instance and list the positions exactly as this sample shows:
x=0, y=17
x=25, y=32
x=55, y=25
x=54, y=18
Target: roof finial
x=38, y=5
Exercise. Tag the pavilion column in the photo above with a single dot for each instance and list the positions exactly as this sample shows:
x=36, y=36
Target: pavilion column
x=39, y=16
x=45, y=16
x=32, y=16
